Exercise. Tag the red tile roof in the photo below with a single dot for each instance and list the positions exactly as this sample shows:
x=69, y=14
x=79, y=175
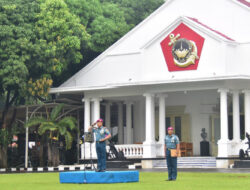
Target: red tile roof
x=217, y=32
x=245, y=2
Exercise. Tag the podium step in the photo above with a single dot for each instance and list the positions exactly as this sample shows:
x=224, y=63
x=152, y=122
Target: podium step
x=242, y=164
x=189, y=162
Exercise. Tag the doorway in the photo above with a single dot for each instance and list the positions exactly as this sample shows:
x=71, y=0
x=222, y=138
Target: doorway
x=181, y=125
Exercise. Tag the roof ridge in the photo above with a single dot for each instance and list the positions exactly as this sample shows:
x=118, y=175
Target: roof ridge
x=213, y=30
x=245, y=2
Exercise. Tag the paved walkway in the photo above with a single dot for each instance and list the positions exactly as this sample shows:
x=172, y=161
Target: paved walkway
x=202, y=170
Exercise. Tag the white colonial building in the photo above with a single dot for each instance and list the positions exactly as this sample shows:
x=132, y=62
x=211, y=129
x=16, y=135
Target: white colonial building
x=187, y=65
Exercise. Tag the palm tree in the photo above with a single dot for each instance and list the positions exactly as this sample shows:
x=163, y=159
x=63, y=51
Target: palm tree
x=53, y=128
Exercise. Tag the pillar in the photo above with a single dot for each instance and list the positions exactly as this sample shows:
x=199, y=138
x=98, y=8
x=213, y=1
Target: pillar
x=150, y=118
x=223, y=143
x=236, y=116
x=108, y=116
x=96, y=109
x=247, y=110
x=95, y=115
x=162, y=123
x=223, y=115
x=86, y=114
x=149, y=144
x=162, y=117
x=120, y=123
x=92, y=111
x=129, y=123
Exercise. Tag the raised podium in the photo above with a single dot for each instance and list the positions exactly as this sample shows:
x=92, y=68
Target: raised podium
x=99, y=177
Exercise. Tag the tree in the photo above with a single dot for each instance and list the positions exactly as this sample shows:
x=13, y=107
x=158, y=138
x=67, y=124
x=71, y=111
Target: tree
x=36, y=46
x=38, y=42
x=136, y=10
x=107, y=28
x=86, y=10
x=54, y=127
x=105, y=22
x=16, y=34
x=59, y=37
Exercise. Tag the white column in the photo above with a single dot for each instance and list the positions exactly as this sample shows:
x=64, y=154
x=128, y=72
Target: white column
x=120, y=123
x=150, y=118
x=92, y=111
x=223, y=115
x=96, y=107
x=78, y=137
x=149, y=150
x=108, y=116
x=162, y=117
x=86, y=114
x=129, y=123
x=162, y=123
x=247, y=111
x=223, y=142
x=236, y=116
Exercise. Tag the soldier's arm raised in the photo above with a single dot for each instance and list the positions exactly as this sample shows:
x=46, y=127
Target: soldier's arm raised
x=91, y=127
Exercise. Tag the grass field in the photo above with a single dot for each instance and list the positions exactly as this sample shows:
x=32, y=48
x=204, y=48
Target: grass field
x=148, y=181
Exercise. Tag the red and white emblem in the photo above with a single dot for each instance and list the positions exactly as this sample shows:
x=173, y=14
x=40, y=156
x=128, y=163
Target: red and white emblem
x=182, y=49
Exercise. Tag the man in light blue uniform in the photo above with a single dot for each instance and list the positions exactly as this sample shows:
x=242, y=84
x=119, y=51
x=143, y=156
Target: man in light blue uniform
x=102, y=134
x=171, y=142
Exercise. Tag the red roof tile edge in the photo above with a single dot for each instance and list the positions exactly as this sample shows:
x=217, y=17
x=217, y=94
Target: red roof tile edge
x=217, y=32
x=244, y=2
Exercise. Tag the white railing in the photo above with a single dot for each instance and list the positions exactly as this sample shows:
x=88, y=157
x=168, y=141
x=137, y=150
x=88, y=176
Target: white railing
x=131, y=150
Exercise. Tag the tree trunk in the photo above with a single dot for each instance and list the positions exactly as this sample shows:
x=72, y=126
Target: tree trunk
x=3, y=157
x=49, y=155
x=53, y=155
x=8, y=102
x=41, y=155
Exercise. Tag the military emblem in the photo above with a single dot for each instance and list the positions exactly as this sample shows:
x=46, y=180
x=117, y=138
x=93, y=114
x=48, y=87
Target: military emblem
x=182, y=48
x=184, y=51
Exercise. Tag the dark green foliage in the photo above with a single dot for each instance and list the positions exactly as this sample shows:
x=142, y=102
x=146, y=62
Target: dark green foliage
x=136, y=10
x=59, y=37
x=17, y=18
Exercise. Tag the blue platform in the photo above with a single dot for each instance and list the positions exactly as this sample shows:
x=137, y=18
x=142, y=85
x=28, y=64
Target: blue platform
x=99, y=177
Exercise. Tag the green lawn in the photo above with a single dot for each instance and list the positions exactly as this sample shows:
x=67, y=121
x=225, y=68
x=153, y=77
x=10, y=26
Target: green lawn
x=148, y=181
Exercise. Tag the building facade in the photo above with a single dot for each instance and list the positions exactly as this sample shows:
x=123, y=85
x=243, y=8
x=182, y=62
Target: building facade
x=186, y=65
